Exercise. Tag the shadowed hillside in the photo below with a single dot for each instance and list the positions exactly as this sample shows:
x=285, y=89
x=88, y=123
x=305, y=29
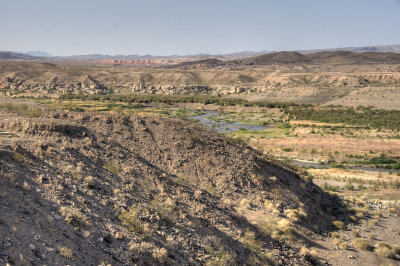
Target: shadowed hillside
x=81, y=188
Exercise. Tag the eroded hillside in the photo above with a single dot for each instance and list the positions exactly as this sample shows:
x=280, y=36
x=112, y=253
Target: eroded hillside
x=347, y=84
x=88, y=189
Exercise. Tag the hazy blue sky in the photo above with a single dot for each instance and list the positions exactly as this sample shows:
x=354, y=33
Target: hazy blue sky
x=165, y=27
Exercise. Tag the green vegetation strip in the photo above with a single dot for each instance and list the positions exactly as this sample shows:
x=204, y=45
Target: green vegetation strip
x=365, y=116
x=362, y=116
x=158, y=98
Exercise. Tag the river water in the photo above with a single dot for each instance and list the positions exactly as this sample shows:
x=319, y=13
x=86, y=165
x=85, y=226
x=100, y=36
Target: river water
x=224, y=127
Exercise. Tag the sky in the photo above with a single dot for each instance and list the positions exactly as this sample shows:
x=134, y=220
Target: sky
x=183, y=27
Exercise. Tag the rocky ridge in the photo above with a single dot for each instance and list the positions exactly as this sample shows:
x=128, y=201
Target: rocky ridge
x=92, y=189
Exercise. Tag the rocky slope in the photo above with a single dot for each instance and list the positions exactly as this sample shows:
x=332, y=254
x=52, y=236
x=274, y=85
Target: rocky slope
x=91, y=189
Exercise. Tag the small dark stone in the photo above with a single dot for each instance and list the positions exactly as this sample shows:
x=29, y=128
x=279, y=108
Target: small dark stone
x=108, y=239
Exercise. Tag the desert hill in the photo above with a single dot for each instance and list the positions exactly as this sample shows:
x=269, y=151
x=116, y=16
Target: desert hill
x=200, y=64
x=326, y=57
x=351, y=84
x=16, y=56
x=94, y=188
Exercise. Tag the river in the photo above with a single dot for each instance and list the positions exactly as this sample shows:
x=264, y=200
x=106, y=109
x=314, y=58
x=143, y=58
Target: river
x=224, y=127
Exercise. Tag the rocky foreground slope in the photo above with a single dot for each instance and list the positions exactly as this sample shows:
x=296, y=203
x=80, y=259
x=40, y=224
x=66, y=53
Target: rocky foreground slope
x=94, y=189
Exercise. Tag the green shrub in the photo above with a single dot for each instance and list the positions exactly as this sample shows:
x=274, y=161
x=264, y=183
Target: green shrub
x=66, y=253
x=18, y=157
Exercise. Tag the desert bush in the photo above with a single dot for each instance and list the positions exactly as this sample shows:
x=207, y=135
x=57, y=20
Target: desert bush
x=394, y=208
x=361, y=243
x=268, y=227
x=66, y=252
x=285, y=225
x=335, y=235
x=306, y=251
x=339, y=225
x=343, y=246
x=73, y=216
x=295, y=215
x=269, y=205
x=352, y=218
x=255, y=246
x=160, y=254
x=112, y=166
x=219, y=256
x=337, y=241
x=131, y=219
x=251, y=243
x=161, y=208
x=387, y=250
x=329, y=187
x=245, y=203
x=361, y=187
x=359, y=212
x=349, y=186
x=19, y=157
x=377, y=214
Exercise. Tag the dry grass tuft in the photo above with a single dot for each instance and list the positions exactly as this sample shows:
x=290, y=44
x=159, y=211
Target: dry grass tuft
x=343, y=246
x=245, y=203
x=339, y=225
x=361, y=243
x=352, y=218
x=285, y=225
x=335, y=235
x=18, y=157
x=387, y=250
x=377, y=214
x=112, y=167
x=306, y=251
x=295, y=215
x=66, y=253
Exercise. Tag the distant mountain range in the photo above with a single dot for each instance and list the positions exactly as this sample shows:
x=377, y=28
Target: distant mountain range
x=382, y=48
x=31, y=55
x=37, y=53
x=16, y=56
x=282, y=58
